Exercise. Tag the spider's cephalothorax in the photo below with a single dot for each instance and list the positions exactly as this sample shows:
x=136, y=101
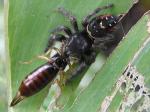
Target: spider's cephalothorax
x=78, y=46
x=99, y=26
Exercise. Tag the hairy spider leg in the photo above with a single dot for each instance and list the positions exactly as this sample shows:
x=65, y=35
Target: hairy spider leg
x=72, y=19
x=89, y=59
x=86, y=20
x=57, y=37
x=64, y=29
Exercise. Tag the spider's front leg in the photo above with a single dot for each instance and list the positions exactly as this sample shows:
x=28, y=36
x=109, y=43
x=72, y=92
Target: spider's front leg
x=76, y=71
x=58, y=37
x=88, y=60
x=70, y=17
x=87, y=19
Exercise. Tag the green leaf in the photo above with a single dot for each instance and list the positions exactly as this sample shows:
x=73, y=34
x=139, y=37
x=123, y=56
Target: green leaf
x=29, y=23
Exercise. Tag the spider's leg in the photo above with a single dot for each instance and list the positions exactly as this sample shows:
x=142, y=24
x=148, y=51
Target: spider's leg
x=58, y=37
x=53, y=38
x=97, y=10
x=89, y=59
x=64, y=29
x=70, y=17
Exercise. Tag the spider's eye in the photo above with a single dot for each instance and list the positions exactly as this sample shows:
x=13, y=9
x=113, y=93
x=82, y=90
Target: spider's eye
x=108, y=21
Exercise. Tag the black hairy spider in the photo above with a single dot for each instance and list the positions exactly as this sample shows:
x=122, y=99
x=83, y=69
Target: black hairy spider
x=98, y=32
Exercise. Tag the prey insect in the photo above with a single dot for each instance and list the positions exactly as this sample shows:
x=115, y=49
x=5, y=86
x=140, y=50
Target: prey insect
x=80, y=45
x=39, y=78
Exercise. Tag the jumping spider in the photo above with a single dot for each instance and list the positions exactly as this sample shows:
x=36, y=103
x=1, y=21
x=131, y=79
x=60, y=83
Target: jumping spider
x=97, y=32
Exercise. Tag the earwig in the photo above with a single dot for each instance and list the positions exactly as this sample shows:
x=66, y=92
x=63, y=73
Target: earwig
x=39, y=78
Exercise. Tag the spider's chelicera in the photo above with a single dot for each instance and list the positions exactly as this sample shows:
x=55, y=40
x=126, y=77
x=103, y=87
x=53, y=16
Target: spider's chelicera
x=81, y=45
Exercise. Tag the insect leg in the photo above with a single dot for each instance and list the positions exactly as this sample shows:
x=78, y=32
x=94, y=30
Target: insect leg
x=44, y=56
x=70, y=17
x=61, y=80
x=97, y=10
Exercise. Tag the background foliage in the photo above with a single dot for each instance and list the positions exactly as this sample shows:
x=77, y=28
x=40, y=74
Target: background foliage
x=29, y=26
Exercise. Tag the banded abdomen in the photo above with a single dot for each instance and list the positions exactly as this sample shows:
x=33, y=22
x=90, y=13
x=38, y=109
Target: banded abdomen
x=38, y=79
